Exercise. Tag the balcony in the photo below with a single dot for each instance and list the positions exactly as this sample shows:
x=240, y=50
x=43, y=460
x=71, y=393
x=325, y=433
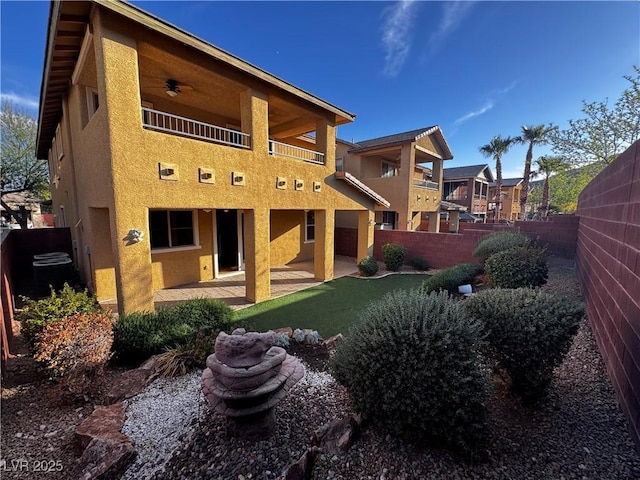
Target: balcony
x=169, y=123
x=426, y=184
x=291, y=151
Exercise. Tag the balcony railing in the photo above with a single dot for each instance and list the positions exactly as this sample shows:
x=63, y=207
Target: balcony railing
x=166, y=122
x=426, y=184
x=291, y=151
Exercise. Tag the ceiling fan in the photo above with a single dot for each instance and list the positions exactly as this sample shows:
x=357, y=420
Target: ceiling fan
x=172, y=87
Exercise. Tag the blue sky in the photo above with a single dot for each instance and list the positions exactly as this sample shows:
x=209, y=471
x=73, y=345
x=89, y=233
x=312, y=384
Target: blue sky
x=477, y=69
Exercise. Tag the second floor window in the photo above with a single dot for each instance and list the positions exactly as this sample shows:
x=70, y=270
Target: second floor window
x=388, y=170
x=172, y=228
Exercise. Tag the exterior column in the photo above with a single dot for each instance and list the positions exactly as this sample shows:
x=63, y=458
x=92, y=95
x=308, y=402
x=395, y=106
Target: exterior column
x=454, y=221
x=254, y=115
x=326, y=143
x=134, y=283
x=434, y=222
x=407, y=166
x=323, y=248
x=257, y=254
x=366, y=223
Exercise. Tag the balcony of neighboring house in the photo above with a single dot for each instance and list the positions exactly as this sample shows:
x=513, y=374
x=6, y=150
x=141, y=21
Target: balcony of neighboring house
x=426, y=184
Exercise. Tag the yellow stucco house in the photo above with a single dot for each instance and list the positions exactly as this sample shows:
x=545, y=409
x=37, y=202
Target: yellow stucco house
x=173, y=161
x=404, y=168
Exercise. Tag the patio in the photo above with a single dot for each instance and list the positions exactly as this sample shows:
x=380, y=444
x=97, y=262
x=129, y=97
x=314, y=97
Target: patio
x=230, y=288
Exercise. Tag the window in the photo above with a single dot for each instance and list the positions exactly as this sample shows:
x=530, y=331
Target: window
x=93, y=102
x=388, y=170
x=62, y=218
x=172, y=228
x=389, y=218
x=310, y=226
x=339, y=164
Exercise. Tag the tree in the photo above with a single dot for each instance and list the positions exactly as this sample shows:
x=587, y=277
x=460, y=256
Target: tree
x=605, y=132
x=20, y=171
x=548, y=166
x=531, y=135
x=495, y=149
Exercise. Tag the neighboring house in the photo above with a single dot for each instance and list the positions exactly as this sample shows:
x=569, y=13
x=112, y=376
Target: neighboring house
x=510, y=205
x=25, y=203
x=468, y=186
x=405, y=168
x=173, y=161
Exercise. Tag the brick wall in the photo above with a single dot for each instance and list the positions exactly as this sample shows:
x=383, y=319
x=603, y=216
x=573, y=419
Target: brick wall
x=608, y=259
x=346, y=241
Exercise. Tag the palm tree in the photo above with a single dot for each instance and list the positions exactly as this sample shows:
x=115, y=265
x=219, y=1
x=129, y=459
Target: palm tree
x=495, y=149
x=546, y=167
x=532, y=135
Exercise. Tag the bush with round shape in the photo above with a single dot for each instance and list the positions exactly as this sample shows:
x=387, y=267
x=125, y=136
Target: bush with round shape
x=411, y=365
x=76, y=347
x=393, y=256
x=499, y=241
x=451, y=278
x=368, y=266
x=517, y=267
x=530, y=331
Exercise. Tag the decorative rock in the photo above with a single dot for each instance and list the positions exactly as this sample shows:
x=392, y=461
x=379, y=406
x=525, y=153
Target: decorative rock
x=104, y=459
x=246, y=378
x=130, y=384
x=107, y=451
x=287, y=330
x=332, y=342
x=104, y=422
x=338, y=435
x=243, y=350
x=302, y=469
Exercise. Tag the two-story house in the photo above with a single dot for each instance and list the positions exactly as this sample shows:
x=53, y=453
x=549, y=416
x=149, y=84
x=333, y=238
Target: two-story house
x=510, y=204
x=173, y=161
x=468, y=186
x=405, y=168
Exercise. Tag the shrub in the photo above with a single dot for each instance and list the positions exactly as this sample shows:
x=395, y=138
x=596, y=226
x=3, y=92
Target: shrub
x=517, y=267
x=411, y=364
x=420, y=263
x=499, y=241
x=368, y=266
x=393, y=256
x=185, y=357
x=76, y=347
x=530, y=330
x=37, y=313
x=451, y=278
x=137, y=335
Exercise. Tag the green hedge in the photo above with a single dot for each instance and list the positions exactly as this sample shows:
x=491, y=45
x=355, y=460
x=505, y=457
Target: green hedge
x=517, y=267
x=393, y=256
x=531, y=331
x=499, y=241
x=412, y=366
x=451, y=278
x=137, y=335
x=368, y=266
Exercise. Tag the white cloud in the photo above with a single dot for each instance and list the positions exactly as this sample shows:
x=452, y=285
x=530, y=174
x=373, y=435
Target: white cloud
x=467, y=116
x=396, y=35
x=453, y=14
x=21, y=100
x=489, y=103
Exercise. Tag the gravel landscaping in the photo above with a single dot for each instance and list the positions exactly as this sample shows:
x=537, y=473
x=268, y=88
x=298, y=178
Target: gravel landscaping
x=577, y=433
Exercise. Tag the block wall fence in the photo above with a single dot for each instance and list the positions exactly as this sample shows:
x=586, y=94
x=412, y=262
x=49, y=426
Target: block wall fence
x=608, y=261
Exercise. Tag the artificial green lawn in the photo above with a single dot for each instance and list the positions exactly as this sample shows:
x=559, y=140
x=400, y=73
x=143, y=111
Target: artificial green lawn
x=329, y=308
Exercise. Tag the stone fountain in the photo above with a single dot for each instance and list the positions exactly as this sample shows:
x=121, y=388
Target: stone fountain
x=246, y=378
